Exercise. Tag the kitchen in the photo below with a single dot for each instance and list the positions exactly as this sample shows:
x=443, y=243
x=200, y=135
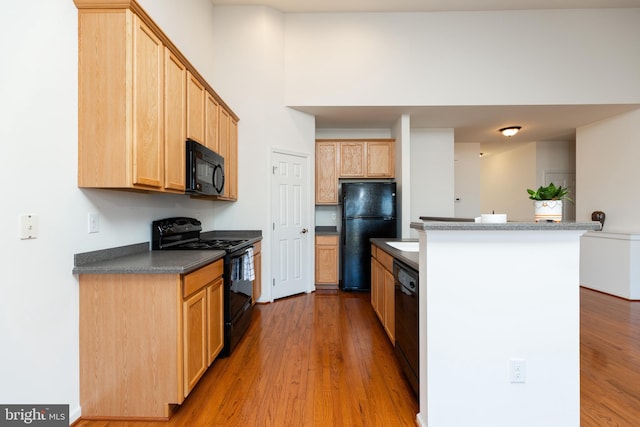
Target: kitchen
x=43, y=84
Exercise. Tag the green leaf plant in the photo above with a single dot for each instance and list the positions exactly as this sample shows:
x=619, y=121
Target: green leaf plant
x=550, y=192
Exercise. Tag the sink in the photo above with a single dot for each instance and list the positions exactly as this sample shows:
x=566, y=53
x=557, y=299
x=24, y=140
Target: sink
x=404, y=246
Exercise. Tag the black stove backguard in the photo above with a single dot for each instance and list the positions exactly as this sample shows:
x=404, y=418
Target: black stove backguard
x=182, y=233
x=169, y=233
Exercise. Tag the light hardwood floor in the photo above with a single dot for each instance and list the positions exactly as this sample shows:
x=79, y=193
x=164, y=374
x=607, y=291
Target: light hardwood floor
x=609, y=360
x=323, y=359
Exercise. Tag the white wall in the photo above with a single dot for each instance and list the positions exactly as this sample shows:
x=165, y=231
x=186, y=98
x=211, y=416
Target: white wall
x=467, y=180
x=607, y=175
x=505, y=178
x=432, y=173
x=554, y=156
x=402, y=134
x=607, y=154
x=463, y=58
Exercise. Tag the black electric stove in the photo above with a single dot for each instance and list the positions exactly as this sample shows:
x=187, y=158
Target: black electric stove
x=182, y=233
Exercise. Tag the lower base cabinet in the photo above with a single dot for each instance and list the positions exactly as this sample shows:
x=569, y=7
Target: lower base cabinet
x=146, y=340
x=326, y=254
x=383, y=290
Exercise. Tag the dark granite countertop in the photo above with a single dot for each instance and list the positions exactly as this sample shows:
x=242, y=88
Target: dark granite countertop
x=326, y=230
x=138, y=259
x=409, y=258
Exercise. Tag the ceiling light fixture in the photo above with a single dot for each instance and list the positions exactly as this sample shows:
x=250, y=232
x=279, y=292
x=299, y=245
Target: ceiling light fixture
x=510, y=131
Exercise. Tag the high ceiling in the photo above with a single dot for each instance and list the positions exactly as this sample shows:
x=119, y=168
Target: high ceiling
x=470, y=124
x=306, y=6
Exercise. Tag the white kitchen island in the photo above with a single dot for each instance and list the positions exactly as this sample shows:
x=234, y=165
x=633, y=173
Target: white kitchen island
x=491, y=295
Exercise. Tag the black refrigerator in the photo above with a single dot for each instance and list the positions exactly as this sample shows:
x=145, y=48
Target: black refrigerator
x=368, y=210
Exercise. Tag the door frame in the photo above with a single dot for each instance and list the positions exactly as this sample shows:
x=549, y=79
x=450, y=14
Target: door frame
x=308, y=261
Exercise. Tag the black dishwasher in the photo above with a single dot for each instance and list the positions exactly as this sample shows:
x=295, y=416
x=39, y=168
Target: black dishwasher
x=406, y=304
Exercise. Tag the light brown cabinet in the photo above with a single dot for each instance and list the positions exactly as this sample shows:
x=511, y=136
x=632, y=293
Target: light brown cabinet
x=327, y=173
x=257, y=268
x=215, y=331
x=211, y=123
x=175, y=120
x=367, y=159
x=138, y=100
x=151, y=335
x=383, y=290
x=228, y=148
x=120, y=80
x=195, y=109
x=326, y=252
x=350, y=158
x=380, y=159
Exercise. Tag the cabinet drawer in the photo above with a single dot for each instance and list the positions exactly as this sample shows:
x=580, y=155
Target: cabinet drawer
x=326, y=240
x=385, y=259
x=201, y=277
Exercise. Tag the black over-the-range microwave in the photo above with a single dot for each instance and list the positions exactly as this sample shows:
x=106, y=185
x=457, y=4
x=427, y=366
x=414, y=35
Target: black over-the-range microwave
x=205, y=170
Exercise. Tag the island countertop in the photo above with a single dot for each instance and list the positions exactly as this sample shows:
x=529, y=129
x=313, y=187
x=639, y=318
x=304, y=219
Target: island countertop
x=507, y=226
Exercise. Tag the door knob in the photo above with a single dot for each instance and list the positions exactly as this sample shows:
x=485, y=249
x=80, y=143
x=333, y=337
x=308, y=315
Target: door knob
x=304, y=230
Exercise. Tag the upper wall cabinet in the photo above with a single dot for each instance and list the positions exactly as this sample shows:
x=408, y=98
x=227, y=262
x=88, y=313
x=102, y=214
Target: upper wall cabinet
x=175, y=117
x=367, y=159
x=139, y=99
x=326, y=172
x=350, y=158
x=195, y=109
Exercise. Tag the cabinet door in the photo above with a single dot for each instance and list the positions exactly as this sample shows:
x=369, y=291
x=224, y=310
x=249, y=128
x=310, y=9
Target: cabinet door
x=352, y=164
x=389, y=305
x=380, y=159
x=194, y=321
x=148, y=142
x=232, y=154
x=211, y=122
x=195, y=109
x=327, y=260
x=215, y=317
x=257, y=267
x=377, y=294
x=175, y=97
x=326, y=173
x=224, y=120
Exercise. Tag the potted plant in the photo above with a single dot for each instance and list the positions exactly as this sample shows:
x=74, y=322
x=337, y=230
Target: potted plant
x=548, y=202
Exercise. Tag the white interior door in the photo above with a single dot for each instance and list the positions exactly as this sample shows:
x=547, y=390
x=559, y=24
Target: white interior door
x=290, y=216
x=568, y=180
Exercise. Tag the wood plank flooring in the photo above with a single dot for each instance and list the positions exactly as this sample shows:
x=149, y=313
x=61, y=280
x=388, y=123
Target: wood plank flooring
x=319, y=359
x=323, y=359
x=609, y=360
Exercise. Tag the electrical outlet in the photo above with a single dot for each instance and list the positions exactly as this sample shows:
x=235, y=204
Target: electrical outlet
x=28, y=226
x=94, y=222
x=517, y=370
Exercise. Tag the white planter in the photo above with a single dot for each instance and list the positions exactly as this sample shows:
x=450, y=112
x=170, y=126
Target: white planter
x=548, y=210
